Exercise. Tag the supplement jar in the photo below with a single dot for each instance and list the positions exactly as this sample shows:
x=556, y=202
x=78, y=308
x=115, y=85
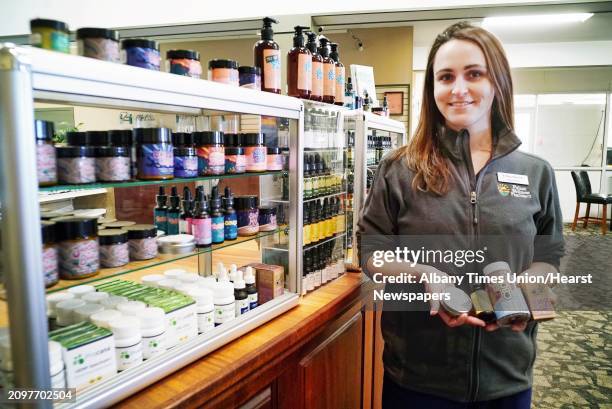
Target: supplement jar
x=267, y=218
x=142, y=239
x=49, y=254
x=46, y=162
x=185, y=162
x=255, y=151
x=97, y=138
x=154, y=153
x=112, y=164
x=211, y=152
x=128, y=342
x=182, y=139
x=232, y=139
x=184, y=62
x=120, y=137
x=78, y=247
x=250, y=77
x=76, y=164
x=235, y=161
x=247, y=215
x=77, y=138
x=98, y=43
x=114, y=250
x=141, y=53
x=274, y=159
x=153, y=327
x=50, y=35
x=225, y=71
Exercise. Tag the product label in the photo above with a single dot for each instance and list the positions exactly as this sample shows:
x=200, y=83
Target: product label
x=187, y=67
x=148, y=58
x=173, y=223
x=59, y=42
x=317, y=78
x=185, y=166
x=340, y=84
x=317, y=278
x=160, y=219
x=231, y=226
x=253, y=301
x=78, y=258
x=225, y=75
x=114, y=255
x=91, y=363
x=202, y=231
x=304, y=78
x=99, y=48
x=311, y=281
x=76, y=170
x=242, y=306
x=218, y=229
x=235, y=164
x=206, y=321
x=143, y=249
x=129, y=356
x=184, y=226
x=50, y=266
x=153, y=345
x=156, y=160
x=184, y=323
x=256, y=158
x=271, y=69
x=113, y=169
x=46, y=166
x=306, y=235
x=329, y=81
x=224, y=313
x=211, y=160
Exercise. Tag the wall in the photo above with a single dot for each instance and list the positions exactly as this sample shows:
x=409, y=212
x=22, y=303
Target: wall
x=570, y=79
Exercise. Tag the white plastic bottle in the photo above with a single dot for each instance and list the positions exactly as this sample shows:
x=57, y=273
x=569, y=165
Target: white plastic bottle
x=128, y=342
x=80, y=290
x=104, y=318
x=52, y=300
x=131, y=307
x=95, y=298
x=56, y=365
x=65, y=311
x=169, y=283
x=205, y=308
x=174, y=273
x=189, y=278
x=225, y=305
x=152, y=279
x=83, y=313
x=112, y=301
x=153, y=328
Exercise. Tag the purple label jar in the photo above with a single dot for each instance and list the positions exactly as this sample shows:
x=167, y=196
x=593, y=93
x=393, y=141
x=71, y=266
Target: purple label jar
x=235, y=161
x=141, y=53
x=250, y=77
x=211, y=152
x=155, y=154
x=185, y=162
x=247, y=215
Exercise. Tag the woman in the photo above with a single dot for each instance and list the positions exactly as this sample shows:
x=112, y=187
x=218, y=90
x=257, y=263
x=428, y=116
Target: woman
x=462, y=176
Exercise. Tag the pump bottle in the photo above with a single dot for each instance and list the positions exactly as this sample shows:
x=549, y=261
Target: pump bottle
x=329, y=72
x=267, y=57
x=299, y=67
x=340, y=74
x=317, y=67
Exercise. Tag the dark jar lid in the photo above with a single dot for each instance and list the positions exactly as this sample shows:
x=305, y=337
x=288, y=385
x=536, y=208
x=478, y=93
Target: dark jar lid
x=46, y=23
x=74, y=228
x=248, y=202
x=182, y=54
x=234, y=150
x=152, y=135
x=140, y=43
x=112, y=151
x=182, y=138
x=95, y=32
x=265, y=210
x=208, y=138
x=48, y=232
x=43, y=130
x=254, y=139
x=274, y=150
x=98, y=138
x=233, y=139
x=141, y=231
x=249, y=70
x=184, y=151
x=75, y=151
x=107, y=237
x=218, y=63
x=77, y=138
x=120, y=137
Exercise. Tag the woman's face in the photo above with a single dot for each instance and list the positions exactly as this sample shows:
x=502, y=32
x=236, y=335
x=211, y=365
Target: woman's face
x=462, y=89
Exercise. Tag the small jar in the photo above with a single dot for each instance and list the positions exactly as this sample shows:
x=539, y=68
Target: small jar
x=211, y=152
x=50, y=35
x=114, y=250
x=78, y=247
x=97, y=138
x=120, y=137
x=185, y=162
x=247, y=215
x=232, y=140
x=250, y=77
x=184, y=62
x=46, y=161
x=142, y=240
x=49, y=254
x=274, y=160
x=225, y=71
x=267, y=218
x=141, y=53
x=255, y=151
x=154, y=152
x=235, y=161
x=182, y=139
x=76, y=164
x=98, y=43
x=112, y=164
x=77, y=138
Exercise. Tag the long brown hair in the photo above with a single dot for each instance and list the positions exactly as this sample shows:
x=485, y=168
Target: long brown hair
x=432, y=173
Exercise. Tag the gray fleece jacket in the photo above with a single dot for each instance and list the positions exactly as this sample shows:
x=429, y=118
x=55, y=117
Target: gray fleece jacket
x=421, y=353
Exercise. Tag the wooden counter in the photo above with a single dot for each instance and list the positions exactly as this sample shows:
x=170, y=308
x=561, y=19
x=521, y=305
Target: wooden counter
x=318, y=355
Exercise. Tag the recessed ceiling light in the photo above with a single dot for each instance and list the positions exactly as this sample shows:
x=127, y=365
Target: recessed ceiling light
x=536, y=19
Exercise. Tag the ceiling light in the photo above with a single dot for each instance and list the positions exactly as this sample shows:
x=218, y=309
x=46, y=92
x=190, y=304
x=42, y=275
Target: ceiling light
x=536, y=19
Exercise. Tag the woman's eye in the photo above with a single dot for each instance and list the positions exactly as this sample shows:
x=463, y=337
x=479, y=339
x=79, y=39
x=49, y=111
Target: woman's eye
x=445, y=77
x=475, y=74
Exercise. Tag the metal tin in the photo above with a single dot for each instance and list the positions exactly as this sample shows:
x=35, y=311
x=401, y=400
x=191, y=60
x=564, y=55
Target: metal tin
x=458, y=302
x=176, y=244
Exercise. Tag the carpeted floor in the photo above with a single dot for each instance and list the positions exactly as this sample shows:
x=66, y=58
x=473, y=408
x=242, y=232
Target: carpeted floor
x=574, y=364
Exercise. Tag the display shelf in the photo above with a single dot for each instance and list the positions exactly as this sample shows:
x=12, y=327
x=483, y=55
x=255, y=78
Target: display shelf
x=135, y=183
x=310, y=199
x=48, y=196
x=161, y=259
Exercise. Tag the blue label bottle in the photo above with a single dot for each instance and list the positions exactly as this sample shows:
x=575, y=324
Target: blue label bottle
x=231, y=220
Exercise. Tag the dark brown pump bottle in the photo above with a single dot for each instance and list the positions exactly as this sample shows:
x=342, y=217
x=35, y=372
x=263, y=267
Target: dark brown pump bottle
x=329, y=72
x=317, y=67
x=340, y=74
x=267, y=56
x=299, y=67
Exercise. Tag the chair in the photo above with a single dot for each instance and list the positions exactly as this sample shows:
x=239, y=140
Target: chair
x=585, y=195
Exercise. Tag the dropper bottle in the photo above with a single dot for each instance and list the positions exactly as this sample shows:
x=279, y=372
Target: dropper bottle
x=317, y=67
x=160, y=212
x=251, y=289
x=299, y=67
x=240, y=294
x=230, y=218
x=267, y=56
x=186, y=216
x=217, y=217
x=201, y=223
x=329, y=72
x=174, y=212
x=340, y=74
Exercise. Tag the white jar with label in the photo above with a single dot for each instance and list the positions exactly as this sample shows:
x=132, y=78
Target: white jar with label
x=225, y=303
x=205, y=308
x=52, y=301
x=56, y=365
x=153, y=330
x=128, y=342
